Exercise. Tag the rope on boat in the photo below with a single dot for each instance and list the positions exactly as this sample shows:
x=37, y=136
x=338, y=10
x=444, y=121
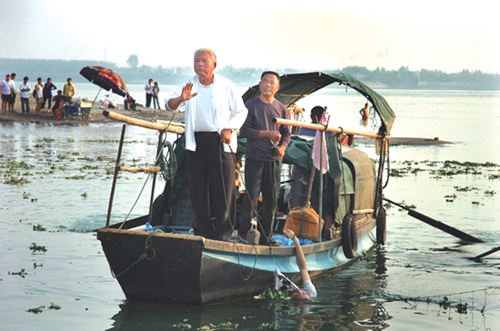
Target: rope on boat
x=252, y=270
x=168, y=165
x=148, y=254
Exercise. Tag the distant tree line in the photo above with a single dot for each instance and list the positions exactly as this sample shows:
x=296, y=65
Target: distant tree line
x=403, y=78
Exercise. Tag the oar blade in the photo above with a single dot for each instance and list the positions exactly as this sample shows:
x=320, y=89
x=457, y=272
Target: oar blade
x=443, y=227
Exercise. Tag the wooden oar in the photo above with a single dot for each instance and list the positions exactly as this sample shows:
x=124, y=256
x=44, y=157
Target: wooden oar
x=320, y=127
x=491, y=251
x=145, y=124
x=437, y=224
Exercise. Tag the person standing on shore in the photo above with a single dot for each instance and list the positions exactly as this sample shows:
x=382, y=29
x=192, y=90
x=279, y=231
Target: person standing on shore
x=6, y=93
x=69, y=89
x=24, y=89
x=214, y=111
x=38, y=94
x=156, y=91
x=47, y=93
x=12, y=83
x=149, y=92
x=266, y=146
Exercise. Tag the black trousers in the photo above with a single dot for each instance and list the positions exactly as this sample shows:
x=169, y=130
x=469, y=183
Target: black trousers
x=148, y=99
x=211, y=179
x=261, y=176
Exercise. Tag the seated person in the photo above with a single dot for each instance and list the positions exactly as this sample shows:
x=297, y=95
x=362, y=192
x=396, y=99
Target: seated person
x=58, y=101
x=308, y=290
x=129, y=103
x=316, y=115
x=107, y=103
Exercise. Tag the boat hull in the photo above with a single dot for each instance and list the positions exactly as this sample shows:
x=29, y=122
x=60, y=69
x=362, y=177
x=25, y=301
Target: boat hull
x=163, y=267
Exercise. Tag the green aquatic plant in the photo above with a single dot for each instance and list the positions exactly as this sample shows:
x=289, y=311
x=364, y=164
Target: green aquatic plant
x=266, y=327
x=21, y=273
x=272, y=294
x=37, y=248
x=39, y=227
x=489, y=193
x=84, y=195
x=75, y=177
x=26, y=195
x=16, y=181
x=36, y=310
x=220, y=326
x=54, y=306
x=183, y=326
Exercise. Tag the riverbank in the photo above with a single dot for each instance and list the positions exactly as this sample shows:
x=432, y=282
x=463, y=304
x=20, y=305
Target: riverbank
x=95, y=115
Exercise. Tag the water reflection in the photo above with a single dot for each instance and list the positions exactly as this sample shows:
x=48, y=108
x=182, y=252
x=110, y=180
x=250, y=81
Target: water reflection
x=347, y=300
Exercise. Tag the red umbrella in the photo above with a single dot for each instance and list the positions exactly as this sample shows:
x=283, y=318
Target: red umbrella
x=106, y=79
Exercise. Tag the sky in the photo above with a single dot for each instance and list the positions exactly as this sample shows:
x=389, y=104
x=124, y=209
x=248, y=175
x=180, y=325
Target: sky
x=308, y=34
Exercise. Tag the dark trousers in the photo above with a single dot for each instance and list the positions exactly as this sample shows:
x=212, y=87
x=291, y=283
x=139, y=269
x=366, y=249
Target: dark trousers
x=156, y=102
x=260, y=176
x=47, y=97
x=211, y=179
x=148, y=99
x=25, y=105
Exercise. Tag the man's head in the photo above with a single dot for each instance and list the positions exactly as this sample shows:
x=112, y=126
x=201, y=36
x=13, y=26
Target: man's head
x=300, y=295
x=49, y=80
x=13, y=76
x=59, y=92
x=205, y=62
x=7, y=77
x=69, y=80
x=317, y=113
x=269, y=83
x=150, y=81
x=39, y=80
x=25, y=79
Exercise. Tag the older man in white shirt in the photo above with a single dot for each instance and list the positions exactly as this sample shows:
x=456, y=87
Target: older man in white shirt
x=214, y=112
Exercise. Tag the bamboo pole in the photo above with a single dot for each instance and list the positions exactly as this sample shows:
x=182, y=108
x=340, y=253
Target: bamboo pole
x=136, y=170
x=145, y=124
x=282, y=121
x=171, y=123
x=115, y=176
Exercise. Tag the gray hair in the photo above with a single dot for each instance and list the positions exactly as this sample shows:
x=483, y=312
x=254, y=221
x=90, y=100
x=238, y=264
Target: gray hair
x=206, y=50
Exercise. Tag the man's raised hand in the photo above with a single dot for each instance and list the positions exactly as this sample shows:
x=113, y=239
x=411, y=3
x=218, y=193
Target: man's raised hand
x=186, y=92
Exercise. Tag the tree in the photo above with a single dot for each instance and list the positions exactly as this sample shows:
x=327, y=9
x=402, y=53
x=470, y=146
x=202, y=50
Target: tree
x=133, y=61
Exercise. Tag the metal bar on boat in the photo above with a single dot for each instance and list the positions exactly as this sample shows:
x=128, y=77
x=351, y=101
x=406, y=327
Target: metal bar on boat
x=322, y=133
x=145, y=124
x=158, y=151
x=135, y=170
x=115, y=176
x=321, y=127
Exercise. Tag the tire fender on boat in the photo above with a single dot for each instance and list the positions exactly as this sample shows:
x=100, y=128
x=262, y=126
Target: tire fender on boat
x=381, y=226
x=349, y=237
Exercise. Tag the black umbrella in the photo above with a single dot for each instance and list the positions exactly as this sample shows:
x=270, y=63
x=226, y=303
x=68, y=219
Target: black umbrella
x=106, y=79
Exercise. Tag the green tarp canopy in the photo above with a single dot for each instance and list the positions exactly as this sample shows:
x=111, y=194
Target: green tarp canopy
x=294, y=87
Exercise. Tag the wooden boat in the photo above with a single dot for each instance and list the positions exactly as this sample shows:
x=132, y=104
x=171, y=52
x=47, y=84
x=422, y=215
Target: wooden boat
x=182, y=267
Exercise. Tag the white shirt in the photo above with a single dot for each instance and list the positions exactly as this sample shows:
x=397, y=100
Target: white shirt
x=26, y=94
x=224, y=104
x=39, y=91
x=12, y=84
x=148, y=88
x=6, y=88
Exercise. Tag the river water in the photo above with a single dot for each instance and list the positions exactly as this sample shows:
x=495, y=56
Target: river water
x=60, y=178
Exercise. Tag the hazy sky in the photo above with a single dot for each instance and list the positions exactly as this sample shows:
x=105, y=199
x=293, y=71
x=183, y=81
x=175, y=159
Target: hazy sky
x=307, y=34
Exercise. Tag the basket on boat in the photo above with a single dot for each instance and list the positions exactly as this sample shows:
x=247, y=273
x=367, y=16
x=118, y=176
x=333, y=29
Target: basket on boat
x=304, y=222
